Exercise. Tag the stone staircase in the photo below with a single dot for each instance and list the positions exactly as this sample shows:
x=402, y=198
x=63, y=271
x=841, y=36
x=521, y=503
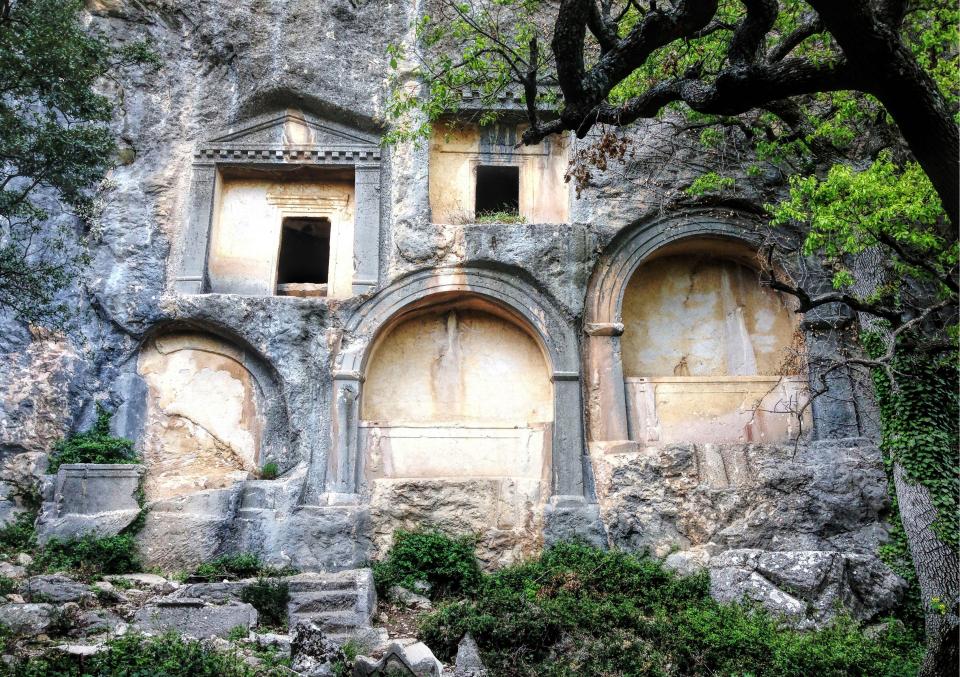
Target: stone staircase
x=343, y=603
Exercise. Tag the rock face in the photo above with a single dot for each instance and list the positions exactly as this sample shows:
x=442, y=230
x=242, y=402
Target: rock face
x=807, y=586
x=524, y=422
x=194, y=617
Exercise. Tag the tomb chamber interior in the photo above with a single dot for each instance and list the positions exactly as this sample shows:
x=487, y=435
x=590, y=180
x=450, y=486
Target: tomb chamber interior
x=709, y=355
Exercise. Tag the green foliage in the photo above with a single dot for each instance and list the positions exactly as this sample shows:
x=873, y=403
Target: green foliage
x=269, y=471
x=499, y=217
x=919, y=427
x=54, y=139
x=7, y=585
x=237, y=633
x=88, y=556
x=849, y=212
x=96, y=445
x=447, y=564
x=20, y=535
x=240, y=565
x=580, y=611
x=269, y=597
x=711, y=182
x=138, y=656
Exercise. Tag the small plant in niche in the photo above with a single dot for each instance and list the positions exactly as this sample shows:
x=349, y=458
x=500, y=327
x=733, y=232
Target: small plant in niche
x=269, y=471
x=500, y=217
x=96, y=445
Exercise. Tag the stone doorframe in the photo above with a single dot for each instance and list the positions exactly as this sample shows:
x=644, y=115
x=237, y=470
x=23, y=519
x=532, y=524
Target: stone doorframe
x=254, y=145
x=555, y=335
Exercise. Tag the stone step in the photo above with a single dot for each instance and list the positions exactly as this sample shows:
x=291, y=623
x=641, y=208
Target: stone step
x=332, y=621
x=312, y=582
x=343, y=602
x=322, y=601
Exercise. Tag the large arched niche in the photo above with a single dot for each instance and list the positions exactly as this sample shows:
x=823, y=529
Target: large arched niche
x=213, y=415
x=461, y=388
x=684, y=344
x=709, y=355
x=457, y=405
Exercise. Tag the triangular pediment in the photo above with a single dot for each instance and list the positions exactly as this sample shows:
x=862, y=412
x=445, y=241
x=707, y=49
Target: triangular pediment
x=291, y=133
x=296, y=128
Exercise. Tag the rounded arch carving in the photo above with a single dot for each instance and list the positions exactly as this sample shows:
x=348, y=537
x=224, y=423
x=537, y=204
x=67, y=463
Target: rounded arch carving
x=213, y=410
x=637, y=242
x=552, y=330
x=498, y=291
x=720, y=396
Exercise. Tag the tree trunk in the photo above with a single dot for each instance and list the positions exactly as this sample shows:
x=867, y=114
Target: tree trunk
x=938, y=571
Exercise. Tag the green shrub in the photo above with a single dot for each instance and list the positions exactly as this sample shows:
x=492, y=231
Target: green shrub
x=447, y=564
x=581, y=611
x=241, y=565
x=139, y=656
x=7, y=585
x=269, y=597
x=89, y=556
x=269, y=471
x=96, y=445
x=20, y=535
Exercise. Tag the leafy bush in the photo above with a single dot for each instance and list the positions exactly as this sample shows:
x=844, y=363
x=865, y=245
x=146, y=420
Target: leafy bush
x=7, y=585
x=164, y=656
x=269, y=597
x=96, y=445
x=241, y=565
x=20, y=535
x=581, y=611
x=447, y=564
x=269, y=471
x=89, y=556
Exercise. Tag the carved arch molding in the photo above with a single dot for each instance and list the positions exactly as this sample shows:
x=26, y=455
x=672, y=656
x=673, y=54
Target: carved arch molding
x=528, y=308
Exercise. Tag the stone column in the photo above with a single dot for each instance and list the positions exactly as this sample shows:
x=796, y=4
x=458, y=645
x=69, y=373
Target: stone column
x=607, y=394
x=834, y=411
x=366, y=228
x=196, y=234
x=567, y=462
x=343, y=461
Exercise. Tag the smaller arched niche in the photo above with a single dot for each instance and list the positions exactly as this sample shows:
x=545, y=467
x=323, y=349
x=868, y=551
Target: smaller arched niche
x=709, y=355
x=204, y=417
x=456, y=426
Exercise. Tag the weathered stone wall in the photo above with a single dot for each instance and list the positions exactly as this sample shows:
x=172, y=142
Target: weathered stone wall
x=243, y=68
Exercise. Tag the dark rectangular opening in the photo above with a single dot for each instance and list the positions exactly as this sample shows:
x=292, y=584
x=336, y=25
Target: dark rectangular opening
x=304, y=251
x=498, y=189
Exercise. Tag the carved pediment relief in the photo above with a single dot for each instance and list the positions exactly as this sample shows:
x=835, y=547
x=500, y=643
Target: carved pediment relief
x=291, y=136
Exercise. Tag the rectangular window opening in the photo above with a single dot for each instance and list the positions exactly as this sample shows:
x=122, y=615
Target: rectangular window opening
x=498, y=190
x=304, y=259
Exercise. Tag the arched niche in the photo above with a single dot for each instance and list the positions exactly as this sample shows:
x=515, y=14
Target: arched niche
x=683, y=343
x=709, y=355
x=456, y=422
x=435, y=305
x=212, y=416
x=457, y=388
